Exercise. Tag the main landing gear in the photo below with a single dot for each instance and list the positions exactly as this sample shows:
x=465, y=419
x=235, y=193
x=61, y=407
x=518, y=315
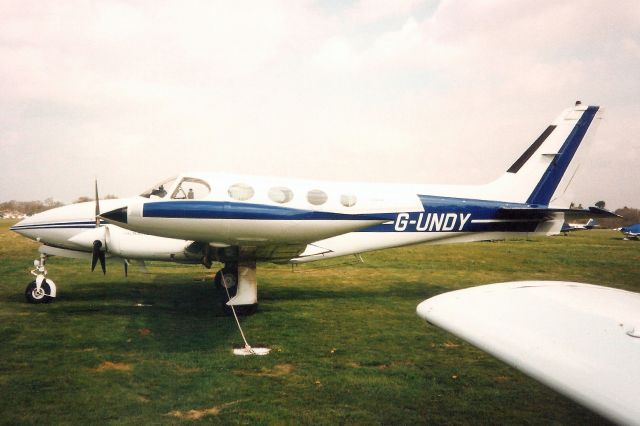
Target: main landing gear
x=239, y=287
x=40, y=290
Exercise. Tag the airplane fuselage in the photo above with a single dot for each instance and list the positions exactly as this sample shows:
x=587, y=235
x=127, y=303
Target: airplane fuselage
x=343, y=218
x=240, y=220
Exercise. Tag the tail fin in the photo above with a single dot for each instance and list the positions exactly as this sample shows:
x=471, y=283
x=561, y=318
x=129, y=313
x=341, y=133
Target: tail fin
x=550, y=160
x=591, y=224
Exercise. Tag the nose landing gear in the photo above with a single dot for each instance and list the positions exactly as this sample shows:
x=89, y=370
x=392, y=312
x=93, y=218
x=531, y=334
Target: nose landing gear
x=40, y=290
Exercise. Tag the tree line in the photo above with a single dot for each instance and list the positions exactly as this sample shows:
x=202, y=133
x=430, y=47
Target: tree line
x=32, y=207
x=629, y=217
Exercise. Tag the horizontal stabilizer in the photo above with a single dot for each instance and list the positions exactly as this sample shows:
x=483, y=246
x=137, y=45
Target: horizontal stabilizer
x=597, y=211
x=547, y=212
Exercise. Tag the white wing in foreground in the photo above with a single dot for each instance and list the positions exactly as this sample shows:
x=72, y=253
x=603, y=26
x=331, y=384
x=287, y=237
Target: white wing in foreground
x=581, y=340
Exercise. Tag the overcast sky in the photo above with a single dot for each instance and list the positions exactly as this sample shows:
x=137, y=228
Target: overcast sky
x=412, y=91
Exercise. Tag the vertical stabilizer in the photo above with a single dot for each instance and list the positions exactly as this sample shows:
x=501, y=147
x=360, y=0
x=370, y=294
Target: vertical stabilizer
x=549, y=164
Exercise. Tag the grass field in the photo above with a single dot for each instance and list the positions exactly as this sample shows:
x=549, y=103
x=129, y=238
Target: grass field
x=348, y=347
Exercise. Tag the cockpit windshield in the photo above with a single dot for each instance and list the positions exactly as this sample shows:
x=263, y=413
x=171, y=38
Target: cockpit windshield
x=159, y=190
x=191, y=189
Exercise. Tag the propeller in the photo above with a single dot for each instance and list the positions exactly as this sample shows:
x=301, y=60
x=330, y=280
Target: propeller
x=98, y=253
x=97, y=205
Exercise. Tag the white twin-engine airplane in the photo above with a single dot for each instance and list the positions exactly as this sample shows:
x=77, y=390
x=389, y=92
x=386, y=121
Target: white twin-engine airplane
x=241, y=220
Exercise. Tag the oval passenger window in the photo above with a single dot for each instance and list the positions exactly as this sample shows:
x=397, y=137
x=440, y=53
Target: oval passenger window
x=348, y=200
x=241, y=191
x=280, y=194
x=316, y=197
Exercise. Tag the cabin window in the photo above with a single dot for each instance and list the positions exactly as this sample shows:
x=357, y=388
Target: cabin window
x=317, y=197
x=241, y=191
x=280, y=194
x=159, y=190
x=348, y=200
x=191, y=189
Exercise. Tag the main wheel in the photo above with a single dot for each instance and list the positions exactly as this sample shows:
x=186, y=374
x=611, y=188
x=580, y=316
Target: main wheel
x=230, y=281
x=38, y=295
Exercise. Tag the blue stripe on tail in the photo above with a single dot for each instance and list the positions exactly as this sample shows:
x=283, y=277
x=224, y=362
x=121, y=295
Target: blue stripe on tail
x=550, y=180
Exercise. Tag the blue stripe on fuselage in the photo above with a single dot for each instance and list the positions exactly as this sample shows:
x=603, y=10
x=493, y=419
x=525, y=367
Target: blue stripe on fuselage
x=244, y=211
x=551, y=178
x=53, y=225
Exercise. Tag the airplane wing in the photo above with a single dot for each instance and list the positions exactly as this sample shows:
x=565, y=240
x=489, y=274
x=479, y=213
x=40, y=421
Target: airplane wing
x=56, y=251
x=581, y=340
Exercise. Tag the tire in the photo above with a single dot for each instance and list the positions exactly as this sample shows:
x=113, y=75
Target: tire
x=34, y=296
x=231, y=280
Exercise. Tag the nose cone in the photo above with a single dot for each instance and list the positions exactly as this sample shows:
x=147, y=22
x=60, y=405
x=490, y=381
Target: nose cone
x=117, y=215
x=20, y=226
x=32, y=227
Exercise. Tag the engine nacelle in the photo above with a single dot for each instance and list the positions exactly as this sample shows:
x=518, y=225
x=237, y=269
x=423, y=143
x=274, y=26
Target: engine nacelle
x=132, y=245
x=127, y=244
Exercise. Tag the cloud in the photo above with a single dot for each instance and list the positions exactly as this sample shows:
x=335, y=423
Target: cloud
x=364, y=12
x=403, y=91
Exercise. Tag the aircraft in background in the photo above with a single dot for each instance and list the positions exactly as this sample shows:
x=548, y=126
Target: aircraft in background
x=242, y=220
x=570, y=227
x=578, y=339
x=631, y=231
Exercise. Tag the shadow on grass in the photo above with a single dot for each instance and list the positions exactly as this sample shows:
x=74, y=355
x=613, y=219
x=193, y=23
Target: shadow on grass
x=402, y=290
x=167, y=314
x=181, y=314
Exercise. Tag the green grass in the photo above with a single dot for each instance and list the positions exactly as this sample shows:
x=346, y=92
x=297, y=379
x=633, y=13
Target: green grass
x=347, y=344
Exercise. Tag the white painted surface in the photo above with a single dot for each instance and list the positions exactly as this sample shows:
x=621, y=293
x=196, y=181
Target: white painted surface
x=576, y=338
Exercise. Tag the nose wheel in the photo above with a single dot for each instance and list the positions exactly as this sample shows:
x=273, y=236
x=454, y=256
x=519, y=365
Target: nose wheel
x=35, y=293
x=40, y=290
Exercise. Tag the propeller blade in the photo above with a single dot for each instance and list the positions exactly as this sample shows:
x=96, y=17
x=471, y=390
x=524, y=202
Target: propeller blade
x=102, y=258
x=95, y=253
x=107, y=238
x=97, y=204
x=126, y=268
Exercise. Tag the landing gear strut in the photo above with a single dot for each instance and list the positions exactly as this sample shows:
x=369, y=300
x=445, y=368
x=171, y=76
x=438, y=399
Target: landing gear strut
x=239, y=280
x=40, y=290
